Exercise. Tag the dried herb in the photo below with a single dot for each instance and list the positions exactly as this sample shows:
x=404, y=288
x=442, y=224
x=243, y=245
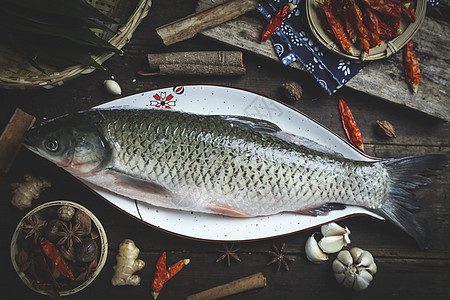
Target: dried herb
x=277, y=20
x=280, y=257
x=34, y=227
x=228, y=253
x=336, y=26
x=58, y=261
x=162, y=275
x=412, y=69
x=70, y=234
x=351, y=129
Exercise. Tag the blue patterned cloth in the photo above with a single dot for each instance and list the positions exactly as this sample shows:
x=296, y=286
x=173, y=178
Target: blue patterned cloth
x=293, y=41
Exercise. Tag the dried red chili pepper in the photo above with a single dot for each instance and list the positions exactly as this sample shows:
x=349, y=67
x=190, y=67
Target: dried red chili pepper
x=277, y=20
x=162, y=275
x=375, y=23
x=385, y=7
x=412, y=69
x=336, y=26
x=362, y=31
x=43, y=266
x=409, y=10
x=351, y=129
x=349, y=27
x=58, y=261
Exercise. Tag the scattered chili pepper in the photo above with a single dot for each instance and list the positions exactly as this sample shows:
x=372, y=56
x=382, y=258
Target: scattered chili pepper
x=336, y=26
x=351, y=129
x=385, y=7
x=162, y=275
x=412, y=69
x=52, y=252
x=277, y=20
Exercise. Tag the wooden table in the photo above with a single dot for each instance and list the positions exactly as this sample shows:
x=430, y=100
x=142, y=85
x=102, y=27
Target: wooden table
x=404, y=272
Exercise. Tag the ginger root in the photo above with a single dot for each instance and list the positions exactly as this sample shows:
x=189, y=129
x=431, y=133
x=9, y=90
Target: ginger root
x=25, y=192
x=127, y=264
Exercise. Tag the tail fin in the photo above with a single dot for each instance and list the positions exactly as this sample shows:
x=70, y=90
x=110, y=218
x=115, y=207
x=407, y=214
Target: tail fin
x=406, y=174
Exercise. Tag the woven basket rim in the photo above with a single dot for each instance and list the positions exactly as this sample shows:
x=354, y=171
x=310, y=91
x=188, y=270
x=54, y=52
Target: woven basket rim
x=57, y=78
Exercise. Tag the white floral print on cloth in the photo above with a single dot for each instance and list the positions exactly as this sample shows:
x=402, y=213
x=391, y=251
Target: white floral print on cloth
x=293, y=41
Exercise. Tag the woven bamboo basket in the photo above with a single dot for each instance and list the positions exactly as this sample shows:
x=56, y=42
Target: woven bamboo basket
x=386, y=49
x=15, y=73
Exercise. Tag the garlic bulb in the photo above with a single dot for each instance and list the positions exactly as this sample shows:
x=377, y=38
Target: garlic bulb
x=335, y=238
x=354, y=269
x=112, y=87
x=313, y=251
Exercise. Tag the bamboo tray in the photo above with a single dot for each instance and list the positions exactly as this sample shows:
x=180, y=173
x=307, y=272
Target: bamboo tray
x=386, y=49
x=15, y=73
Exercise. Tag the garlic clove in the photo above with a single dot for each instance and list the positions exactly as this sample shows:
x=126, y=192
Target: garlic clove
x=112, y=87
x=338, y=267
x=362, y=281
x=313, y=251
x=332, y=229
x=356, y=253
x=339, y=277
x=349, y=281
x=365, y=259
x=345, y=257
x=372, y=268
x=332, y=244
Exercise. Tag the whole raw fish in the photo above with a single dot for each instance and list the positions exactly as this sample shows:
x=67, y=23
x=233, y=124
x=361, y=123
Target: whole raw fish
x=228, y=165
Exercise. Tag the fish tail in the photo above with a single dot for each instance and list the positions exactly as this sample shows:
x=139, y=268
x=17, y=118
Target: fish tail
x=406, y=175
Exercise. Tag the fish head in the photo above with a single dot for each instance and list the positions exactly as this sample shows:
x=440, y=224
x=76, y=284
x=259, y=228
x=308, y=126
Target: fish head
x=72, y=142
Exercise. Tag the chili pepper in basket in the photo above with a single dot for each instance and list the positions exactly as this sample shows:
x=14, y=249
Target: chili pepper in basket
x=412, y=69
x=336, y=26
x=52, y=252
x=351, y=129
x=162, y=275
x=385, y=7
x=349, y=26
x=43, y=266
x=409, y=11
x=374, y=22
x=371, y=22
x=277, y=20
x=362, y=31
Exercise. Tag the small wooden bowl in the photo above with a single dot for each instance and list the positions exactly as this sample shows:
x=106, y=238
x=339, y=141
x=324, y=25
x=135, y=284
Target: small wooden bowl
x=386, y=49
x=19, y=235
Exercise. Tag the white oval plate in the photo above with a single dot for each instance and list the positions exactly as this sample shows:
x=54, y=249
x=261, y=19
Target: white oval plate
x=208, y=100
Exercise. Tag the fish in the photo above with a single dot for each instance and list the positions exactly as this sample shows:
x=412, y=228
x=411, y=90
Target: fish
x=229, y=165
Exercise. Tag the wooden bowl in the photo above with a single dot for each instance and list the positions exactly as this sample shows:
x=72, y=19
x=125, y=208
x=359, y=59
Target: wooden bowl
x=41, y=212
x=386, y=49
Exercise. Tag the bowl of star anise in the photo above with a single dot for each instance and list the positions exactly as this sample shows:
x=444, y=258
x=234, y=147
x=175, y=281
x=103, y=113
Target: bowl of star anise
x=59, y=247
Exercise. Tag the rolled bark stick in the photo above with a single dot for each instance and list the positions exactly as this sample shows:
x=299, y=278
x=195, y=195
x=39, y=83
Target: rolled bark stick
x=241, y=285
x=190, y=25
x=181, y=69
x=215, y=58
x=12, y=138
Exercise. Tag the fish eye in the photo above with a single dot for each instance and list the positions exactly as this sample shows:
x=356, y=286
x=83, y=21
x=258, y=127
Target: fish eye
x=51, y=145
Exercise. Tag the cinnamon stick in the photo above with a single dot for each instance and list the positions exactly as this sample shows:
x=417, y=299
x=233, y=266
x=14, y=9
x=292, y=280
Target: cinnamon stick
x=241, y=285
x=190, y=25
x=12, y=138
x=196, y=63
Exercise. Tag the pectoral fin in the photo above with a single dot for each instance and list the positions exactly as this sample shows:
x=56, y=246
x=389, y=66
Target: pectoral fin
x=321, y=210
x=128, y=182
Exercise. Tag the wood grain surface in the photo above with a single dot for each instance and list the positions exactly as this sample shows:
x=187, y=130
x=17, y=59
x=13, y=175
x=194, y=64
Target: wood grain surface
x=404, y=271
x=382, y=78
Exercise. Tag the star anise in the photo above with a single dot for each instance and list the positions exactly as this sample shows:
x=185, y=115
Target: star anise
x=70, y=234
x=87, y=271
x=228, y=253
x=280, y=258
x=34, y=227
